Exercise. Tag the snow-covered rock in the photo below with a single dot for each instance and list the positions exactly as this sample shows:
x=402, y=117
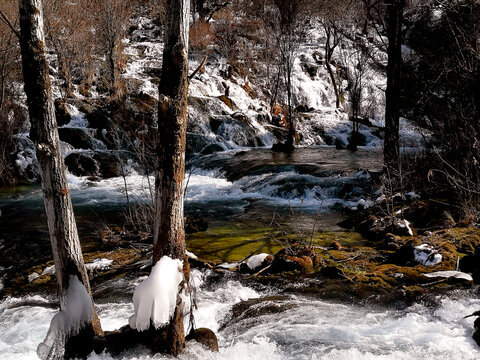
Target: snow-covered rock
x=427, y=255
x=255, y=261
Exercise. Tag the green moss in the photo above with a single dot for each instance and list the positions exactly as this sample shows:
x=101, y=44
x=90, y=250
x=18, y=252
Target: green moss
x=231, y=243
x=345, y=238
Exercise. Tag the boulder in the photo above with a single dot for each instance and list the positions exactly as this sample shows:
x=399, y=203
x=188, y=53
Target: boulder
x=204, y=336
x=212, y=148
x=104, y=164
x=196, y=143
x=297, y=257
x=310, y=69
x=79, y=138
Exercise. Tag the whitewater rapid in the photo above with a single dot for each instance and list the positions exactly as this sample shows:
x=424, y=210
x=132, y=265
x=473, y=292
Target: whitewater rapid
x=307, y=329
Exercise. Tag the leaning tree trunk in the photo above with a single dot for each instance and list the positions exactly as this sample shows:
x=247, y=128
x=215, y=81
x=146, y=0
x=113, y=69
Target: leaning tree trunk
x=61, y=222
x=394, y=19
x=169, y=235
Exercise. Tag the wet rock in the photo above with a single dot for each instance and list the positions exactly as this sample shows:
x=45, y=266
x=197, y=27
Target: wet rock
x=105, y=164
x=196, y=143
x=258, y=307
x=80, y=139
x=302, y=108
x=237, y=131
x=82, y=164
x=212, y=148
x=310, y=69
x=204, y=336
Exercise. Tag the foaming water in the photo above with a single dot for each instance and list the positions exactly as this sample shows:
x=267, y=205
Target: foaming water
x=308, y=329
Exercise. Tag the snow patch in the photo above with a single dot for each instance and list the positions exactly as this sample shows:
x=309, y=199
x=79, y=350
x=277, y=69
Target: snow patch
x=155, y=298
x=427, y=255
x=99, y=264
x=69, y=321
x=191, y=255
x=449, y=274
x=255, y=261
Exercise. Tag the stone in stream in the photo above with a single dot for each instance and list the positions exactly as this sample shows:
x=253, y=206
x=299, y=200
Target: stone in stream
x=204, y=336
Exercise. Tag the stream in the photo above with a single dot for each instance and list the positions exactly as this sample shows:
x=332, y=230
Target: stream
x=239, y=191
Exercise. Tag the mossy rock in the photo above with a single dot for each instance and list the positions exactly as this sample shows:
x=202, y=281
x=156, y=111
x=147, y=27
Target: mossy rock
x=227, y=101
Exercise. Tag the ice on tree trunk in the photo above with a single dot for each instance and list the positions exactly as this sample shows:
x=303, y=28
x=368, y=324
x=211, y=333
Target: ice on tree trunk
x=155, y=298
x=77, y=313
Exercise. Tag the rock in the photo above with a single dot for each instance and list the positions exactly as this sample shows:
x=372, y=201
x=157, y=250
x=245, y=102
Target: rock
x=453, y=277
x=375, y=228
x=236, y=131
x=196, y=143
x=310, y=69
x=302, y=108
x=405, y=254
x=332, y=272
x=82, y=164
x=80, y=139
x=252, y=308
x=339, y=144
x=105, y=164
x=61, y=113
x=212, y=148
x=98, y=120
x=204, y=336
x=297, y=257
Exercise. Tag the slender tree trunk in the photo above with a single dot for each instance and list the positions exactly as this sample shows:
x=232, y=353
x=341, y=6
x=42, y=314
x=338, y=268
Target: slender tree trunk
x=394, y=19
x=328, y=57
x=169, y=235
x=291, y=128
x=111, y=63
x=61, y=222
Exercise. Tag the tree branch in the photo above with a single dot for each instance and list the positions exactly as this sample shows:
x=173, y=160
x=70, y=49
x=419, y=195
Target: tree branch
x=9, y=24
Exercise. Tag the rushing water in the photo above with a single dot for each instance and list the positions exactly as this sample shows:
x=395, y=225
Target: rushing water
x=307, y=329
x=247, y=186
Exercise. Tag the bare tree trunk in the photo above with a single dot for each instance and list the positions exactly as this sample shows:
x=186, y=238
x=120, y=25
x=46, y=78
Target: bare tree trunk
x=394, y=23
x=61, y=222
x=289, y=144
x=329, y=49
x=169, y=235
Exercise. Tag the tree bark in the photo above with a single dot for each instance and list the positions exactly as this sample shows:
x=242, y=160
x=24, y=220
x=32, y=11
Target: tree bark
x=66, y=248
x=394, y=17
x=169, y=235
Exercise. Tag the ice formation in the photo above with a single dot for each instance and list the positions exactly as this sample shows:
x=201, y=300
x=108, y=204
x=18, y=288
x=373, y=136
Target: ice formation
x=256, y=261
x=78, y=312
x=155, y=298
